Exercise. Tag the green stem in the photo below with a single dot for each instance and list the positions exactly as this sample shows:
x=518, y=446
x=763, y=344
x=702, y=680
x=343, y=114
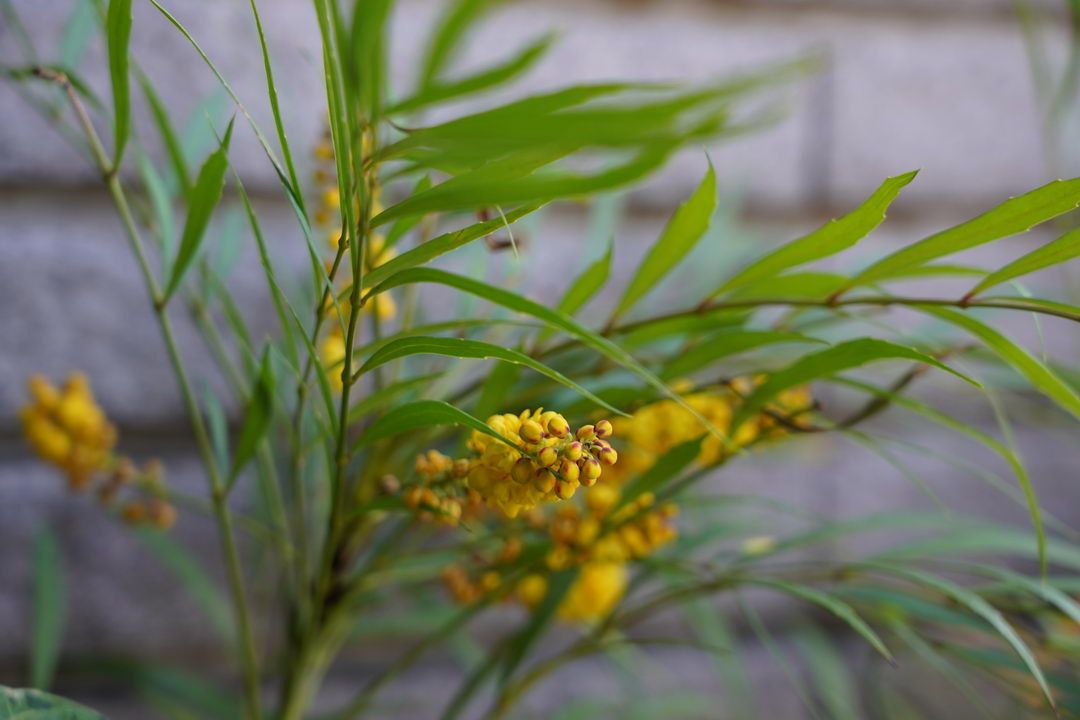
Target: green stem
x=217, y=485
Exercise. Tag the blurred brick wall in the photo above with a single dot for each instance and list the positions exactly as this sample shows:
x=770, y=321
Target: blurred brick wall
x=941, y=86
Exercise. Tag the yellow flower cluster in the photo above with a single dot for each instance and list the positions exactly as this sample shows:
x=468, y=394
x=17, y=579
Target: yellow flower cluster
x=66, y=427
x=599, y=540
x=656, y=428
x=544, y=463
x=441, y=496
x=327, y=216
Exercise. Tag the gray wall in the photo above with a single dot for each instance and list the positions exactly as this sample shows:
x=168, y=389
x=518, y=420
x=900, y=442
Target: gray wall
x=941, y=86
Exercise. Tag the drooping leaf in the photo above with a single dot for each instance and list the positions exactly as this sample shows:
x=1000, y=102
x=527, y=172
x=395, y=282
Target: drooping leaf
x=725, y=344
x=169, y=137
x=1014, y=216
x=422, y=414
x=490, y=77
x=553, y=318
x=828, y=362
x=558, y=586
x=368, y=46
x=833, y=237
x=679, y=237
x=26, y=704
x=47, y=620
x=257, y=416
x=462, y=348
x=194, y=579
x=834, y=605
x=666, y=468
x=1053, y=253
x=118, y=34
x=205, y=195
x=1039, y=375
x=428, y=251
x=77, y=32
x=448, y=36
x=980, y=607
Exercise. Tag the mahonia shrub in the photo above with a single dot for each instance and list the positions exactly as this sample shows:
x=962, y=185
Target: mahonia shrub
x=402, y=460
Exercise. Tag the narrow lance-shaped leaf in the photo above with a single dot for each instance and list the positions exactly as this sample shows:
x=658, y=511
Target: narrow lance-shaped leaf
x=1043, y=378
x=833, y=237
x=257, y=416
x=1053, y=253
x=449, y=33
x=483, y=80
x=519, y=646
x=665, y=469
x=462, y=348
x=27, y=704
x=834, y=605
x=168, y=137
x=682, y=232
x=980, y=607
x=553, y=318
x=205, y=195
x=118, y=33
x=47, y=622
x=428, y=251
x=830, y=361
x=725, y=344
x=583, y=288
x=1014, y=216
x=423, y=414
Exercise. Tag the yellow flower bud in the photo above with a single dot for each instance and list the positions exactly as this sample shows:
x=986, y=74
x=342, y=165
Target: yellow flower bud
x=574, y=451
x=547, y=456
x=531, y=432
x=608, y=455
x=522, y=471
x=558, y=426
x=590, y=471
x=544, y=480
x=603, y=429
x=586, y=432
x=569, y=469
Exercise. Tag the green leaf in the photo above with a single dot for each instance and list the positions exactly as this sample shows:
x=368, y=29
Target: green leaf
x=837, y=607
x=193, y=578
x=832, y=678
x=513, y=180
x=559, y=584
x=169, y=137
x=1053, y=253
x=1013, y=216
x=1004, y=451
x=448, y=36
x=462, y=348
x=77, y=32
x=378, y=399
x=257, y=416
x=118, y=33
x=725, y=344
x=1039, y=375
x=47, y=622
x=37, y=705
x=428, y=251
x=205, y=195
x=587, y=284
x=679, y=237
x=496, y=389
x=368, y=46
x=830, y=361
x=833, y=237
x=483, y=80
x=980, y=607
x=666, y=468
x=423, y=414
x=275, y=106
x=553, y=318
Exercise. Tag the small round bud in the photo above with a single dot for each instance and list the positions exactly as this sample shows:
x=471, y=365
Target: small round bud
x=460, y=468
x=569, y=469
x=603, y=429
x=565, y=490
x=558, y=426
x=161, y=514
x=608, y=455
x=133, y=513
x=574, y=451
x=531, y=431
x=522, y=471
x=590, y=471
x=544, y=480
x=586, y=432
x=547, y=456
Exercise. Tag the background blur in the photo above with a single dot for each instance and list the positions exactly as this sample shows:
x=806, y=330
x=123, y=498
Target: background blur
x=942, y=85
